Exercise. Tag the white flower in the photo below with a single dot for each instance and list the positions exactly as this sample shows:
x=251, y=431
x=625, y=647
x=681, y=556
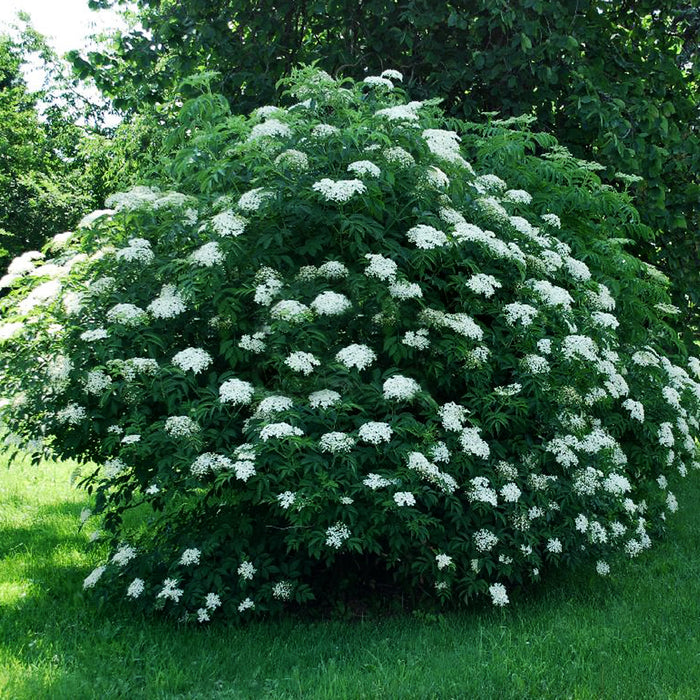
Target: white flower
x=282, y=590
x=473, y=444
x=180, y=426
x=271, y=405
x=127, y=314
x=671, y=502
x=483, y=284
x=481, y=491
x=136, y=588
x=210, y=462
x=123, y=555
x=380, y=267
x=398, y=156
x=168, y=304
x=436, y=177
x=189, y=557
x=138, y=250
x=246, y=604
x=377, y=481
x=443, y=561
x=399, y=388
x=271, y=128
x=97, y=382
x=392, y=74
x=202, y=615
x=324, y=398
x=293, y=159
x=405, y=290
x=246, y=570
x=416, y=339
x=378, y=81
x=303, y=362
x=375, y=433
x=253, y=343
x=330, y=304
x=324, y=131
x=131, y=439
x=552, y=219
x=254, y=199
x=279, y=430
x=336, y=535
x=92, y=335
x=520, y=313
x=339, y=190
x=485, y=540
x=426, y=237
x=550, y=294
x=499, y=595
x=364, y=167
x=236, y=392
x=208, y=255
x=453, y=416
x=445, y=145
x=73, y=414
x=603, y=568
x=170, y=590
x=665, y=435
x=536, y=364
x=290, y=310
x=404, y=498
x=194, y=359
x=212, y=601
x=510, y=492
x=419, y=463
x=579, y=346
x=286, y=499
x=336, y=442
x=554, y=546
x=333, y=270
x=227, y=223
x=517, y=196
x=93, y=577
x=359, y=356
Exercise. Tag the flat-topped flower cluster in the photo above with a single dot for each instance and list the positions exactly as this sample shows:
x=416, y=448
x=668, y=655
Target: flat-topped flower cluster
x=365, y=357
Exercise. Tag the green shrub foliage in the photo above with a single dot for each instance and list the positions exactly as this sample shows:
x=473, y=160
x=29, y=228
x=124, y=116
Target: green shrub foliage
x=343, y=346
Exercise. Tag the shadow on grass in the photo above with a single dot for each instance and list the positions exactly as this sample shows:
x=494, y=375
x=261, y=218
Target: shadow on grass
x=57, y=641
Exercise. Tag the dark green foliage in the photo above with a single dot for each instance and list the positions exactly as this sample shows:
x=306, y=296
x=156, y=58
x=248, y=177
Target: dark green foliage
x=615, y=81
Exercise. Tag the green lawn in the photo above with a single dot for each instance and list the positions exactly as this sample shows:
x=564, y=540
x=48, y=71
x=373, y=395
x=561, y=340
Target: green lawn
x=627, y=637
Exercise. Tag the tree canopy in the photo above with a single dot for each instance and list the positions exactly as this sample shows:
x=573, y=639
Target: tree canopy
x=616, y=82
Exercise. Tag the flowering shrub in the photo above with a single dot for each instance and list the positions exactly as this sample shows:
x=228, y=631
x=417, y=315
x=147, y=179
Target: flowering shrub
x=342, y=353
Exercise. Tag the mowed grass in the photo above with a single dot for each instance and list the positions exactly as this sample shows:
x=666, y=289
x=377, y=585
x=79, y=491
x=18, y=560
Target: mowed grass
x=634, y=635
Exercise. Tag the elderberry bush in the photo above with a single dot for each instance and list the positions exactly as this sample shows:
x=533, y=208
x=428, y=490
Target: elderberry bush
x=345, y=344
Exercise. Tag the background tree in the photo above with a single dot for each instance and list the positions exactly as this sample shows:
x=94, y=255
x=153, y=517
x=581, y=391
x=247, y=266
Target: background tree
x=616, y=82
x=56, y=160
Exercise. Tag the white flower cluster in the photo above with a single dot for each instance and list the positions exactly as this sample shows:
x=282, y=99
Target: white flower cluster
x=375, y=432
x=193, y=360
x=302, y=362
x=336, y=535
x=128, y=315
x=364, y=167
x=358, y=356
x=400, y=388
x=228, y=223
x=291, y=311
x=279, y=431
x=180, y=426
x=272, y=128
x=380, y=267
x=426, y=237
x=339, y=191
x=483, y=284
x=336, y=442
x=168, y=304
x=293, y=159
x=420, y=464
x=208, y=255
x=325, y=398
x=236, y=392
x=138, y=250
x=416, y=339
x=331, y=304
